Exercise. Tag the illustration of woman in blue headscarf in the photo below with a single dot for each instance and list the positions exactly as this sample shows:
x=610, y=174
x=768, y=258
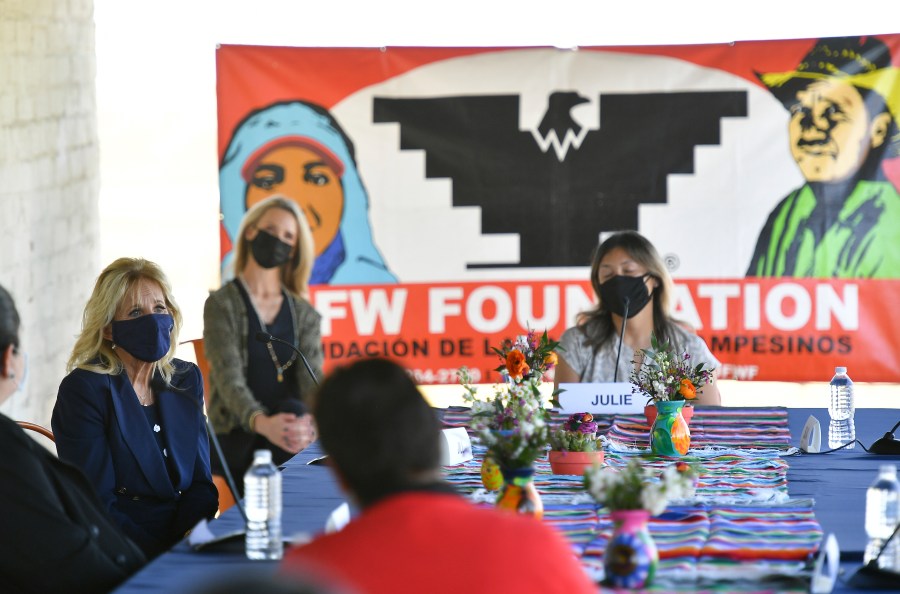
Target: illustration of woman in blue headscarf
x=298, y=150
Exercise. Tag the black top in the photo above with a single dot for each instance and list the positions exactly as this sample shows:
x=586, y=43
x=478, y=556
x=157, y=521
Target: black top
x=57, y=536
x=262, y=373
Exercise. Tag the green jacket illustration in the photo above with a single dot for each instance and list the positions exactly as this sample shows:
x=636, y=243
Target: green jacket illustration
x=802, y=238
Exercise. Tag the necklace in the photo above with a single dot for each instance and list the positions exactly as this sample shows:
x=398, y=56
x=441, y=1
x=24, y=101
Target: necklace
x=279, y=367
x=145, y=400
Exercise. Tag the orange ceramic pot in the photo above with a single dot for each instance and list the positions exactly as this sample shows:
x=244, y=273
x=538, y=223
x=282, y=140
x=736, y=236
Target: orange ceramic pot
x=650, y=413
x=573, y=462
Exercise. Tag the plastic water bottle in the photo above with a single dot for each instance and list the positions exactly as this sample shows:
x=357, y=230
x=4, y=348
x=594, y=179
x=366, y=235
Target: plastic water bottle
x=262, y=502
x=882, y=515
x=841, y=429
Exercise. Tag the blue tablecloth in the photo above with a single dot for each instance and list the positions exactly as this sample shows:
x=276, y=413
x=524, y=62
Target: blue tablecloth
x=309, y=495
x=836, y=481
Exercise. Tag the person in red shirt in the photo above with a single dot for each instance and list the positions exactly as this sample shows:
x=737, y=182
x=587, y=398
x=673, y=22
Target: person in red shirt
x=415, y=534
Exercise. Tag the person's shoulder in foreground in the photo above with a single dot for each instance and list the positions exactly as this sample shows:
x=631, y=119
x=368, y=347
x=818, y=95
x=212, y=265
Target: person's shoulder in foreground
x=56, y=534
x=441, y=543
x=414, y=533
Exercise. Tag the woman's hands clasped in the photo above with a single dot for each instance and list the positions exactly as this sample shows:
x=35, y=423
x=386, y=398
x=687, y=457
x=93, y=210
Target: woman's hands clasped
x=286, y=430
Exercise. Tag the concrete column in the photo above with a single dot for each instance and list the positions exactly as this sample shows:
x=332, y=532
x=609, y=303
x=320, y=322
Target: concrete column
x=49, y=183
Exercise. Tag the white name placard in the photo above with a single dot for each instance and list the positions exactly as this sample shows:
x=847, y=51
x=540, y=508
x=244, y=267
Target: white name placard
x=604, y=398
x=456, y=447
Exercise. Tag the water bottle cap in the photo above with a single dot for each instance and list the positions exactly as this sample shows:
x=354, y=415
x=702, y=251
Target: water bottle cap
x=262, y=456
x=889, y=469
x=840, y=370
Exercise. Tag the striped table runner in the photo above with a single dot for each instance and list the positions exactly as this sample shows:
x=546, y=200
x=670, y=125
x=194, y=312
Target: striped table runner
x=740, y=533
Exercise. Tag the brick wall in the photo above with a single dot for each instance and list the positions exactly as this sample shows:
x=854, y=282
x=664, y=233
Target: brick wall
x=49, y=178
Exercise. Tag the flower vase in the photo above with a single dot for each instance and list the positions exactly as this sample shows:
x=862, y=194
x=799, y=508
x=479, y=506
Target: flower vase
x=490, y=474
x=519, y=494
x=575, y=463
x=669, y=435
x=650, y=413
x=631, y=557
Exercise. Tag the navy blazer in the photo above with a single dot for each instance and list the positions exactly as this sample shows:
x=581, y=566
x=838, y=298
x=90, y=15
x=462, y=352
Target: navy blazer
x=100, y=427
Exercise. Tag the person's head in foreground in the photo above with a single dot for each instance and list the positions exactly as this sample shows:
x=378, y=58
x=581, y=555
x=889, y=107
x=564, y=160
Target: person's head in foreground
x=380, y=433
x=383, y=442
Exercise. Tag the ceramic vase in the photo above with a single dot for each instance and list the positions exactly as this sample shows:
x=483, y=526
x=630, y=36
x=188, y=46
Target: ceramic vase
x=650, y=413
x=490, y=474
x=576, y=463
x=518, y=493
x=631, y=557
x=670, y=435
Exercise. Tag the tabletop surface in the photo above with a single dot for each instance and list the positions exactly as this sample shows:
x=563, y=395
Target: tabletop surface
x=835, y=483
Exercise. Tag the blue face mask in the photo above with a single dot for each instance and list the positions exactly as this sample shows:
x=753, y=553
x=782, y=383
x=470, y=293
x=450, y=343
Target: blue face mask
x=147, y=338
x=20, y=384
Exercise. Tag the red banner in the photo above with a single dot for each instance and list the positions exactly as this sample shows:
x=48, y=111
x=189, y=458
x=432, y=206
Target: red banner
x=455, y=194
x=765, y=329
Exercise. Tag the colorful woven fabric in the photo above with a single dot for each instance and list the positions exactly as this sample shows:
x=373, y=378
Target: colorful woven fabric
x=744, y=428
x=741, y=529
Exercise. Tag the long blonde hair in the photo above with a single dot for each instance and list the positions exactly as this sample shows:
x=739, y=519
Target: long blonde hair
x=294, y=273
x=92, y=351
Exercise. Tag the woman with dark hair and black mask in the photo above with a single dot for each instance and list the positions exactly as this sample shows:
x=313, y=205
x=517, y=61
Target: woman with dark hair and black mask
x=56, y=534
x=631, y=283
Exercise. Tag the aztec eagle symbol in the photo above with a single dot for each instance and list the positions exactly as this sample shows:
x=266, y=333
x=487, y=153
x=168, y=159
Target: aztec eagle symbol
x=559, y=201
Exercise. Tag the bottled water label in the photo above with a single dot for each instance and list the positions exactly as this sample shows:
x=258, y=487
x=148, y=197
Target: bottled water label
x=262, y=502
x=840, y=433
x=841, y=405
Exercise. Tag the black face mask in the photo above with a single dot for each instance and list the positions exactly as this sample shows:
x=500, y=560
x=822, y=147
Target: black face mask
x=268, y=250
x=616, y=291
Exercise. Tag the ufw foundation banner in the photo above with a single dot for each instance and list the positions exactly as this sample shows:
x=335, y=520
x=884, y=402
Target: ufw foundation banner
x=456, y=194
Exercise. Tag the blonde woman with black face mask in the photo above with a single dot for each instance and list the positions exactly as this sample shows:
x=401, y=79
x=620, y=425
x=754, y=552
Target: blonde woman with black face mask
x=261, y=391
x=633, y=289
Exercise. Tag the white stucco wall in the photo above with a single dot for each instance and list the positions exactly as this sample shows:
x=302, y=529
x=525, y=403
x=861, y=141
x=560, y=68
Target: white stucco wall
x=49, y=183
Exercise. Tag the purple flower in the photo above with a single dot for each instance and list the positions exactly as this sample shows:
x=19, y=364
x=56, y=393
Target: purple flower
x=588, y=428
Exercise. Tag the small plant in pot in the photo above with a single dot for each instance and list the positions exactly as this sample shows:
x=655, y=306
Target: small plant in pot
x=574, y=446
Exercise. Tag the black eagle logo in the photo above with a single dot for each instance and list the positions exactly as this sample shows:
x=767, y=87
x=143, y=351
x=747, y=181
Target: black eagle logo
x=559, y=205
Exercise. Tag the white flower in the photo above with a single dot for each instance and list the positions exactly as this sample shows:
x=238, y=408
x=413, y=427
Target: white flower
x=653, y=498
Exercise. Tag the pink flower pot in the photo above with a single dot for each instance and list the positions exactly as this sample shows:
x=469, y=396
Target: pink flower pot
x=573, y=462
x=631, y=557
x=650, y=413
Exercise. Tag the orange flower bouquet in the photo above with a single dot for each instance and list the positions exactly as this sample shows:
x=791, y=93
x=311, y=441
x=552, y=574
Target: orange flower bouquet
x=669, y=380
x=528, y=357
x=665, y=375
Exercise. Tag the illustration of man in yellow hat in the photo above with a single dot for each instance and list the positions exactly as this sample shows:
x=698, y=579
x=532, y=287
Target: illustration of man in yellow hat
x=844, y=222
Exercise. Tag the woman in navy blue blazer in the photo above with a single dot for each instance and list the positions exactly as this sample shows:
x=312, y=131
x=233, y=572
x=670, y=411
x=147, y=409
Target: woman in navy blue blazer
x=130, y=415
